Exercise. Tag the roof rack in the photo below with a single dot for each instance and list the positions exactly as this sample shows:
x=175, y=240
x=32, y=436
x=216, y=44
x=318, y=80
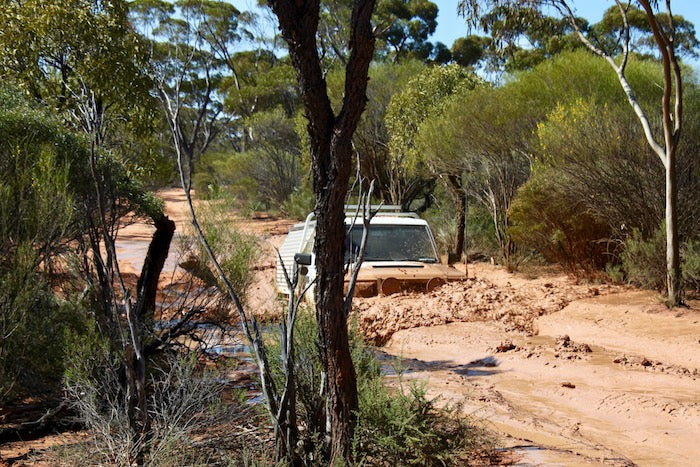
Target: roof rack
x=383, y=210
x=374, y=207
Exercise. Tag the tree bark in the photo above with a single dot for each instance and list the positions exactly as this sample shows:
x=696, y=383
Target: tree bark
x=673, y=276
x=671, y=116
x=331, y=159
x=460, y=197
x=147, y=286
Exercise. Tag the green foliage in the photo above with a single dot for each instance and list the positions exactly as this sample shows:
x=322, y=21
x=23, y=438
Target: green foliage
x=644, y=259
x=589, y=155
x=401, y=427
x=403, y=26
x=424, y=97
x=609, y=30
x=597, y=153
x=58, y=51
x=467, y=51
x=308, y=379
x=514, y=23
x=615, y=273
x=47, y=203
x=480, y=142
x=300, y=203
x=37, y=216
x=691, y=264
x=443, y=224
x=548, y=220
x=267, y=172
x=264, y=83
x=33, y=324
x=422, y=100
x=371, y=139
x=236, y=252
x=408, y=25
x=405, y=427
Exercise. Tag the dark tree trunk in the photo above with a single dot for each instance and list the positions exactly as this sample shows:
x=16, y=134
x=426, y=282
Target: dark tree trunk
x=331, y=159
x=136, y=408
x=460, y=198
x=147, y=286
x=135, y=360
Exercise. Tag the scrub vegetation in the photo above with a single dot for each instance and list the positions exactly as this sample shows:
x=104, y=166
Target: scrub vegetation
x=574, y=151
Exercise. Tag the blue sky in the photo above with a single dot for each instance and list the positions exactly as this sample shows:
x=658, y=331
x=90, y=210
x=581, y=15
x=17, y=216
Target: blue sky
x=451, y=26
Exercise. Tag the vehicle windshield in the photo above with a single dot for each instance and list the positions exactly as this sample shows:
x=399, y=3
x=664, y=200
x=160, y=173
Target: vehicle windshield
x=392, y=243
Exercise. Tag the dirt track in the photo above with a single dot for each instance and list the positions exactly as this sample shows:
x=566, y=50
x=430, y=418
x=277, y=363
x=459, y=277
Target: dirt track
x=566, y=373
x=624, y=388
x=613, y=378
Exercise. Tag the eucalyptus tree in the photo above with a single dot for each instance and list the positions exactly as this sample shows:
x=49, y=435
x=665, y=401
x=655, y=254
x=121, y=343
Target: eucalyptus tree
x=330, y=142
x=82, y=60
x=423, y=99
x=605, y=33
x=663, y=141
x=470, y=50
x=482, y=140
x=407, y=26
x=402, y=27
x=371, y=139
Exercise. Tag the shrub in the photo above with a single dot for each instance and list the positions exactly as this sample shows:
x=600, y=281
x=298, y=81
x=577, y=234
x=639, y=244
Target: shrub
x=32, y=323
x=547, y=220
x=394, y=427
x=236, y=251
x=184, y=399
x=405, y=427
x=691, y=265
x=300, y=203
x=644, y=260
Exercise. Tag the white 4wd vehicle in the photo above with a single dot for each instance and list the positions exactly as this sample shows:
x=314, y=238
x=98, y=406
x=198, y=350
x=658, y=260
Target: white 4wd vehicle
x=401, y=254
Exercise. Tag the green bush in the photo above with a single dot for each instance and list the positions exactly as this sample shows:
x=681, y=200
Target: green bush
x=394, y=427
x=300, y=203
x=547, y=220
x=644, y=259
x=33, y=324
x=691, y=265
x=37, y=214
x=405, y=427
x=236, y=251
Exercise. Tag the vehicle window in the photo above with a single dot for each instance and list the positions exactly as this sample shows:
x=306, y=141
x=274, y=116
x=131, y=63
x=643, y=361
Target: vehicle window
x=392, y=243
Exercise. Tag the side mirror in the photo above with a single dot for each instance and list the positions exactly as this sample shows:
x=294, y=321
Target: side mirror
x=303, y=259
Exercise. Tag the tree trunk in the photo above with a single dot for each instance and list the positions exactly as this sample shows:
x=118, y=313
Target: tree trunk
x=332, y=326
x=330, y=137
x=460, y=198
x=673, y=276
x=147, y=286
x=331, y=159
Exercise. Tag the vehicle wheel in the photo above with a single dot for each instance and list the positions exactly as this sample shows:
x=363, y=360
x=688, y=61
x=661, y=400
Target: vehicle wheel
x=434, y=283
x=390, y=286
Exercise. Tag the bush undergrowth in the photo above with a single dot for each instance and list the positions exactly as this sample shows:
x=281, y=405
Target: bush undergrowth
x=400, y=426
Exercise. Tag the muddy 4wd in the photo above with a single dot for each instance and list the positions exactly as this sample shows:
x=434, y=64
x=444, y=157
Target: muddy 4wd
x=401, y=254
